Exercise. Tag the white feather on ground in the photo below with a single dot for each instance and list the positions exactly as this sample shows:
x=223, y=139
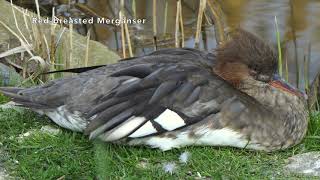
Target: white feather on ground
x=184, y=157
x=169, y=167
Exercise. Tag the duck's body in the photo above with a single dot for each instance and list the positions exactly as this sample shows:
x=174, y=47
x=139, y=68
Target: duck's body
x=173, y=98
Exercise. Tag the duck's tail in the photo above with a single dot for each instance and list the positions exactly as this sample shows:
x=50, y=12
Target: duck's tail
x=20, y=100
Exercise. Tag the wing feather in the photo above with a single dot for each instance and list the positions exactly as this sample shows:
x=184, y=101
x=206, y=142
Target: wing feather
x=147, y=97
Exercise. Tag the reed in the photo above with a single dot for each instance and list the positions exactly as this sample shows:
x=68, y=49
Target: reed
x=306, y=69
x=68, y=61
x=176, y=35
x=181, y=23
x=218, y=22
x=154, y=23
x=286, y=68
x=134, y=8
x=202, y=6
x=293, y=31
x=16, y=24
x=52, y=50
x=279, y=46
x=165, y=17
x=86, y=57
x=123, y=42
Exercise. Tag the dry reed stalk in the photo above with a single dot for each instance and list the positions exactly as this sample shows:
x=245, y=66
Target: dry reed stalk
x=306, y=65
x=154, y=23
x=86, y=59
x=181, y=24
x=177, y=39
x=25, y=14
x=279, y=47
x=218, y=22
x=39, y=27
x=122, y=30
x=68, y=61
x=165, y=17
x=287, y=68
x=126, y=29
x=305, y=73
x=293, y=31
x=38, y=9
x=128, y=39
x=36, y=39
x=52, y=39
x=16, y=24
x=47, y=47
x=134, y=9
x=24, y=44
x=59, y=37
x=12, y=51
x=202, y=7
x=207, y=19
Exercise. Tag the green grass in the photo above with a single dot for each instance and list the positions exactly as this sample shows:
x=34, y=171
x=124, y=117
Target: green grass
x=72, y=156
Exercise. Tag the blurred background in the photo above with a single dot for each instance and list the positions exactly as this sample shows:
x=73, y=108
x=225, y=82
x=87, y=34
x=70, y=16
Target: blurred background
x=298, y=23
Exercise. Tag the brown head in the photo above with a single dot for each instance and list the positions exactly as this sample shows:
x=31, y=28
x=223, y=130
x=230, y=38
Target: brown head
x=246, y=56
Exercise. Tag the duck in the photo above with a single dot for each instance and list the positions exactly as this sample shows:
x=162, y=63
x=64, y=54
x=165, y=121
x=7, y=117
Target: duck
x=179, y=97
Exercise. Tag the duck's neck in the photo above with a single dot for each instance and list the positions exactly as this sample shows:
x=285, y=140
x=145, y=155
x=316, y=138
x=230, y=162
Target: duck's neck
x=272, y=97
x=290, y=109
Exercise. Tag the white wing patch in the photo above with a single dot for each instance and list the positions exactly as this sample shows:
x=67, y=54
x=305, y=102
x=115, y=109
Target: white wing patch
x=145, y=130
x=123, y=129
x=170, y=120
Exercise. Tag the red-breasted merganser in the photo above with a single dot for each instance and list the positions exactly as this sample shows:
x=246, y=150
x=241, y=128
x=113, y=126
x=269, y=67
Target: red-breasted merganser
x=178, y=97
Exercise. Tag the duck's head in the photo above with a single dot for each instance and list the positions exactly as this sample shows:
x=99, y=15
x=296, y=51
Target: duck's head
x=246, y=58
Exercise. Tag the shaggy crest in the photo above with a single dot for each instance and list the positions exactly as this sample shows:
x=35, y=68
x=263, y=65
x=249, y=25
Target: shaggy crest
x=245, y=54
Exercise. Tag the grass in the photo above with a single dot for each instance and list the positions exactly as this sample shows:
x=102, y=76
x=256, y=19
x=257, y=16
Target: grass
x=71, y=155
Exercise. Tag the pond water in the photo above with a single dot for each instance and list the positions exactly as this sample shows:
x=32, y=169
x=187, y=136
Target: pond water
x=298, y=23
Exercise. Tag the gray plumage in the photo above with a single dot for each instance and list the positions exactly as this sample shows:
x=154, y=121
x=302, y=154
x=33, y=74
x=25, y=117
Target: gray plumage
x=173, y=98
